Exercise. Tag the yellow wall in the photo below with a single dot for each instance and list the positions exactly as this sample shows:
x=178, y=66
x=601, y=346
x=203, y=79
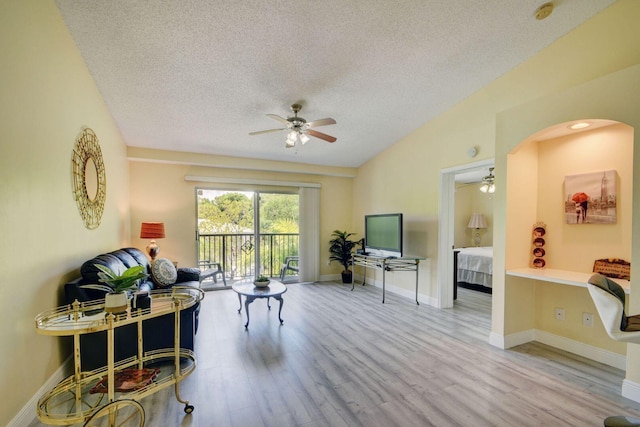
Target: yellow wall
x=405, y=177
x=575, y=247
x=48, y=95
x=603, y=98
x=470, y=199
x=575, y=301
x=160, y=193
x=522, y=209
x=47, y=98
x=539, y=195
x=569, y=246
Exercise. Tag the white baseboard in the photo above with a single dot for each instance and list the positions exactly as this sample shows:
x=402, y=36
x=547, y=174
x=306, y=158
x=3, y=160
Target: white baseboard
x=576, y=347
x=631, y=390
x=505, y=342
x=28, y=412
x=581, y=349
x=523, y=337
x=497, y=340
x=422, y=299
x=406, y=293
x=330, y=278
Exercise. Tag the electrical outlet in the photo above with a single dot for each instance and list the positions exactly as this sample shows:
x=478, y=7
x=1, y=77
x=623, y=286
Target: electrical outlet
x=559, y=313
x=587, y=319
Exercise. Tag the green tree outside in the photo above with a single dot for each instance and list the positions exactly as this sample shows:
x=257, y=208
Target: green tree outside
x=232, y=213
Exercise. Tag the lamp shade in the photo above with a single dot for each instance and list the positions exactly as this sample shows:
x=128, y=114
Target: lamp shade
x=477, y=221
x=152, y=230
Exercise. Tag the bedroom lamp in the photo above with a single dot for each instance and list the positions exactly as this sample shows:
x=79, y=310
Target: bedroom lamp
x=477, y=221
x=152, y=230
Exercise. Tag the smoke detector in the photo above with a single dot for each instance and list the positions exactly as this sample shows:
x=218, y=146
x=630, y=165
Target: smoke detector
x=544, y=11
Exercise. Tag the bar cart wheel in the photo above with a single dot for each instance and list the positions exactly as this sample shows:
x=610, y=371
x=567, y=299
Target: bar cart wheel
x=119, y=413
x=188, y=409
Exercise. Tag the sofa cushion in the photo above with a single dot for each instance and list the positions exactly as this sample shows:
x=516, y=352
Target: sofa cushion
x=163, y=272
x=89, y=271
x=139, y=256
x=188, y=274
x=125, y=258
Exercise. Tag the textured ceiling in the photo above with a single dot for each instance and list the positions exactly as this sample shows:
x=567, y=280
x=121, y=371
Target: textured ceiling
x=199, y=75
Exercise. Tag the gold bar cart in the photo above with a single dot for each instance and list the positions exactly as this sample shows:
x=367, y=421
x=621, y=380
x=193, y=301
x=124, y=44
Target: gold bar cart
x=75, y=400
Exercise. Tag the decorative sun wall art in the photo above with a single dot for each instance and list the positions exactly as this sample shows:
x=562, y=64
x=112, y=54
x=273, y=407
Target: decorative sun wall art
x=591, y=198
x=89, y=178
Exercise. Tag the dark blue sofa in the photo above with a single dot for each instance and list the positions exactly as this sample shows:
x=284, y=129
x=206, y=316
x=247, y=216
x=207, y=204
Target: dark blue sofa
x=157, y=332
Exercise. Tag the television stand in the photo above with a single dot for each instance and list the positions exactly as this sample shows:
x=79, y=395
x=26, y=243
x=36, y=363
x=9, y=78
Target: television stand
x=385, y=264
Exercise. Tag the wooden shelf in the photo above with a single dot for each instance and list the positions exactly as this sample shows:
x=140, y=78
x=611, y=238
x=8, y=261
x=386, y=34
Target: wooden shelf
x=563, y=277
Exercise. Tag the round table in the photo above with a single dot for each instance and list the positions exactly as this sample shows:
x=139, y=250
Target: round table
x=251, y=293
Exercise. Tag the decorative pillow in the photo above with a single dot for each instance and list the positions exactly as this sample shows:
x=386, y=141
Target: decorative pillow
x=163, y=272
x=188, y=274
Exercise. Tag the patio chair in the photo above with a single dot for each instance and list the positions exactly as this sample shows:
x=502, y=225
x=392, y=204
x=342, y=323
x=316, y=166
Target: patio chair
x=290, y=264
x=211, y=269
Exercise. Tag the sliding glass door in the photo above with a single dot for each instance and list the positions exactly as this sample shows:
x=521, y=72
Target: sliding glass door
x=246, y=233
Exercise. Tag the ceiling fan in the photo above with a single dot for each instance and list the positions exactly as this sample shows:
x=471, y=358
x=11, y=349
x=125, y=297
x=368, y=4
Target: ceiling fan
x=299, y=128
x=488, y=183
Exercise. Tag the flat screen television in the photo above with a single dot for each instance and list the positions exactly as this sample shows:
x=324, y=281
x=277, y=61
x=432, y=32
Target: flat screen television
x=383, y=234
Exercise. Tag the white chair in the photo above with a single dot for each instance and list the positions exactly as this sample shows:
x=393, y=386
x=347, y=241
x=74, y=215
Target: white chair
x=609, y=298
x=210, y=269
x=290, y=264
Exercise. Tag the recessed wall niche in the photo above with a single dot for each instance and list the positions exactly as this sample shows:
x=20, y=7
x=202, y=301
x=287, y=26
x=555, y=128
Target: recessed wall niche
x=537, y=169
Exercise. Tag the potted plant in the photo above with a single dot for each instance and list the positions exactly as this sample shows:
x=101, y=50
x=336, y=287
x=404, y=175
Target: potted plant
x=340, y=248
x=117, y=285
x=262, y=281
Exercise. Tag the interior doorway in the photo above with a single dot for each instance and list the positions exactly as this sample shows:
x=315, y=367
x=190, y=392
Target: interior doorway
x=446, y=227
x=244, y=234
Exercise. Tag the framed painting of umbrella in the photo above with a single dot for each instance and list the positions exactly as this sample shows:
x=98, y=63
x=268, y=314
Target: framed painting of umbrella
x=591, y=198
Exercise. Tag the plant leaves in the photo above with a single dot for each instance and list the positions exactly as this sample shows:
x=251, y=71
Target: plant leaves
x=127, y=280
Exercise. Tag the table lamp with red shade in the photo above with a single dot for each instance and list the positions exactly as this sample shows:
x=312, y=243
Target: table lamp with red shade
x=152, y=230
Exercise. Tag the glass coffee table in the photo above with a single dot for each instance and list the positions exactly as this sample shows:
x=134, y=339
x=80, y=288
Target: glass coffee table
x=251, y=293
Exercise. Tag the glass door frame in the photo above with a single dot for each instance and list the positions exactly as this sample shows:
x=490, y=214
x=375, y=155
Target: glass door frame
x=257, y=232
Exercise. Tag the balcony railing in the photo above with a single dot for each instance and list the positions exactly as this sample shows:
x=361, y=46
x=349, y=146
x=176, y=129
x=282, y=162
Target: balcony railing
x=236, y=252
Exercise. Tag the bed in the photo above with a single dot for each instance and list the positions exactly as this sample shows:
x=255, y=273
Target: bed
x=473, y=268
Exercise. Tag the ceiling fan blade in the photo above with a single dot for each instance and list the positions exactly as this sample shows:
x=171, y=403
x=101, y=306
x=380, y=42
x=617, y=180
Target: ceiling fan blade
x=321, y=135
x=280, y=119
x=266, y=131
x=321, y=122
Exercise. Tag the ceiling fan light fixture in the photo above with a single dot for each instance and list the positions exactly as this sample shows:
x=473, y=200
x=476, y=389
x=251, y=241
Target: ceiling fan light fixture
x=297, y=128
x=488, y=183
x=488, y=188
x=291, y=139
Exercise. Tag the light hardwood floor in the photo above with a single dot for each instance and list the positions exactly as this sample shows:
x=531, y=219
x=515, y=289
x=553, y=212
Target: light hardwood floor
x=343, y=358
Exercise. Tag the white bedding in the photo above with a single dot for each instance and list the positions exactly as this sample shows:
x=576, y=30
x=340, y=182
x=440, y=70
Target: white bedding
x=475, y=265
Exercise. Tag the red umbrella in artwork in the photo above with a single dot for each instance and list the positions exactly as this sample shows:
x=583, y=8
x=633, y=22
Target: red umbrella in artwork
x=580, y=197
